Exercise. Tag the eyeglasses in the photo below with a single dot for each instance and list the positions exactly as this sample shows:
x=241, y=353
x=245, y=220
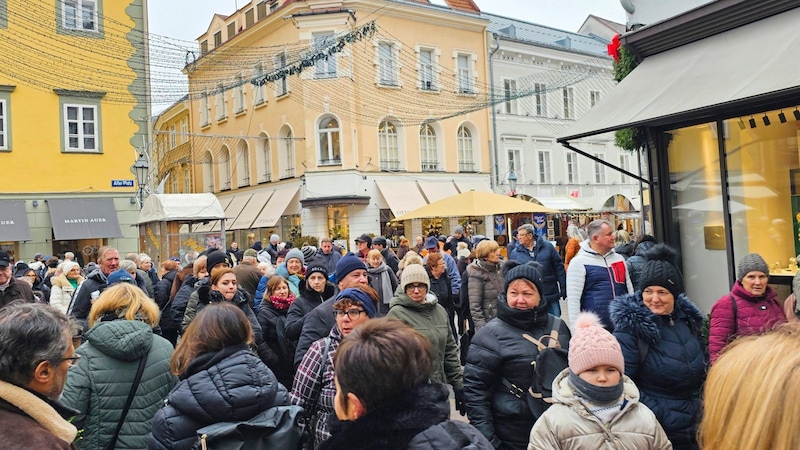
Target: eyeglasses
x=522, y=234
x=353, y=314
x=415, y=286
x=73, y=360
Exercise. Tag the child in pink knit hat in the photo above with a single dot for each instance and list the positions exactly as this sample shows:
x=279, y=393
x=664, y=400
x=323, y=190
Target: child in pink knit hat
x=595, y=406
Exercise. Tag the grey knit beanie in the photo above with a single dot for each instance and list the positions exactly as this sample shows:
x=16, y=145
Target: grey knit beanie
x=296, y=253
x=751, y=263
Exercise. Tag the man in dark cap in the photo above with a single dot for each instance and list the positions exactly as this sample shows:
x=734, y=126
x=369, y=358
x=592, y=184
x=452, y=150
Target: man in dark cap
x=363, y=246
x=10, y=288
x=380, y=244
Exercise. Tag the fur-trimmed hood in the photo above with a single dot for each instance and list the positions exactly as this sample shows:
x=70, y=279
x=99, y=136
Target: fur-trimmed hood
x=41, y=411
x=630, y=315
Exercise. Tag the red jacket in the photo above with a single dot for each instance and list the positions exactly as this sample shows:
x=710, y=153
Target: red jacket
x=754, y=315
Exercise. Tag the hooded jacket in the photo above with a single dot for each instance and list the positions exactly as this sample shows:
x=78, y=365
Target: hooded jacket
x=594, y=280
x=230, y=385
x=416, y=419
x=636, y=262
x=499, y=351
x=61, y=292
x=672, y=373
x=485, y=283
x=99, y=385
x=431, y=320
x=95, y=283
x=753, y=315
x=552, y=267
x=568, y=425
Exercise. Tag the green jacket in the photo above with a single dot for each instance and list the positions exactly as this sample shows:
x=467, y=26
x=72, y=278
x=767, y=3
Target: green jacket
x=99, y=385
x=430, y=319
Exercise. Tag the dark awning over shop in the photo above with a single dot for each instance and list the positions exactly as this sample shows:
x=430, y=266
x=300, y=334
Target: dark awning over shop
x=724, y=72
x=88, y=218
x=14, y=221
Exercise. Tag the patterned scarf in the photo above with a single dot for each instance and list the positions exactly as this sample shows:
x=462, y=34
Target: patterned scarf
x=282, y=303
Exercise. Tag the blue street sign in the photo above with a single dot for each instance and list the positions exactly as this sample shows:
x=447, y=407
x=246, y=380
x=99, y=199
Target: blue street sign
x=121, y=183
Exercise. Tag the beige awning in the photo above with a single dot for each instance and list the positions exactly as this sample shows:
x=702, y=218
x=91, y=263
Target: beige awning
x=276, y=207
x=205, y=228
x=251, y=210
x=561, y=203
x=690, y=81
x=473, y=185
x=437, y=190
x=401, y=196
x=232, y=211
x=475, y=203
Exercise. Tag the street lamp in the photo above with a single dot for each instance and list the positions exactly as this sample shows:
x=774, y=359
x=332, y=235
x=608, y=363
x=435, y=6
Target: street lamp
x=512, y=182
x=140, y=169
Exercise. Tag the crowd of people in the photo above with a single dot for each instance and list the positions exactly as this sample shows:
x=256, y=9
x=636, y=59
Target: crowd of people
x=366, y=349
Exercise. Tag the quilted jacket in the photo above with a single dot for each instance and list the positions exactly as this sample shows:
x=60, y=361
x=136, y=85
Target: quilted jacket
x=99, y=385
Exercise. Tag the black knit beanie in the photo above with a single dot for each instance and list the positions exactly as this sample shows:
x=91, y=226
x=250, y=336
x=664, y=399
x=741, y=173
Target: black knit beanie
x=660, y=270
x=529, y=271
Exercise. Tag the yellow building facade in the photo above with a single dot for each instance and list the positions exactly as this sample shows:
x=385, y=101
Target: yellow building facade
x=329, y=118
x=73, y=115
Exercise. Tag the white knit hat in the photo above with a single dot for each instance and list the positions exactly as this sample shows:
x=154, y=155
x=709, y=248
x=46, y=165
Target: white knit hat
x=414, y=273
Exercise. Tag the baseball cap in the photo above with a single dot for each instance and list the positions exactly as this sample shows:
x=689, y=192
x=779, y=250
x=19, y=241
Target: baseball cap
x=380, y=240
x=5, y=261
x=365, y=238
x=431, y=242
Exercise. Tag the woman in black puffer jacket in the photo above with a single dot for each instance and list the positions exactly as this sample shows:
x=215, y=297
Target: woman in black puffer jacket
x=499, y=352
x=162, y=289
x=221, y=379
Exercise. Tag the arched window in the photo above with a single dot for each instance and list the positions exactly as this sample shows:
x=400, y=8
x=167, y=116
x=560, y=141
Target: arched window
x=329, y=147
x=388, y=146
x=427, y=148
x=264, y=159
x=466, y=153
x=224, y=168
x=242, y=165
x=286, y=153
x=208, y=172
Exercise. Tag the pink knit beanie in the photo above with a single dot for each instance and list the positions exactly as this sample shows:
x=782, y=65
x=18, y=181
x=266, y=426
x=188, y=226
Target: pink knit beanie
x=592, y=345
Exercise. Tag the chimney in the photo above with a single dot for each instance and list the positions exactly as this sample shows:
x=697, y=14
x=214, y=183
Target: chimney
x=463, y=5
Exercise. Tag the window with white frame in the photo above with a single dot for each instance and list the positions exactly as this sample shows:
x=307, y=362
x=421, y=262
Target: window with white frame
x=238, y=93
x=79, y=15
x=286, y=156
x=569, y=103
x=510, y=92
x=329, y=145
x=572, y=167
x=242, y=166
x=599, y=169
x=466, y=150
x=464, y=73
x=387, y=64
x=224, y=168
x=221, y=102
x=624, y=164
x=258, y=91
x=281, y=85
x=174, y=182
x=325, y=67
x=80, y=128
x=3, y=125
x=427, y=148
x=264, y=160
x=187, y=180
x=208, y=172
x=540, y=98
x=184, y=130
x=205, y=109
x=427, y=72
x=515, y=163
x=172, y=136
x=594, y=97
x=388, y=146
x=544, y=167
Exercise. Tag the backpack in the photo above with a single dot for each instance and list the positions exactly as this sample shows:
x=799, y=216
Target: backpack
x=278, y=427
x=550, y=361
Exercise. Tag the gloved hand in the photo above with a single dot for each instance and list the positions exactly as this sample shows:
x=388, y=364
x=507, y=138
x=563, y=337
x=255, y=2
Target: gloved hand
x=460, y=406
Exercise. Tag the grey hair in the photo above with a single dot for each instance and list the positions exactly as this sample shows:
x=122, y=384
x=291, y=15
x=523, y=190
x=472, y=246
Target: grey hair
x=143, y=258
x=69, y=255
x=594, y=227
x=574, y=232
x=29, y=334
x=191, y=257
x=528, y=228
x=128, y=265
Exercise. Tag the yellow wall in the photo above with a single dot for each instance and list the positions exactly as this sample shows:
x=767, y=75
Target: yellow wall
x=44, y=60
x=352, y=97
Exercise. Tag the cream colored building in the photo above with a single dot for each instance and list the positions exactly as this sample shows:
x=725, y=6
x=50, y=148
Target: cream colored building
x=329, y=118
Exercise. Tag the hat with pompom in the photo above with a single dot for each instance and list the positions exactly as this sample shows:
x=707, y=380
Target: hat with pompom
x=659, y=269
x=592, y=345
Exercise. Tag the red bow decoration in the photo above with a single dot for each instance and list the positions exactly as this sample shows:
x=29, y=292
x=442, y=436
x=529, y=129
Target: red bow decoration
x=613, y=48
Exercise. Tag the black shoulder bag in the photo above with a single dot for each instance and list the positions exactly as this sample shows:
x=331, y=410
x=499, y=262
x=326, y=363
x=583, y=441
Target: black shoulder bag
x=113, y=442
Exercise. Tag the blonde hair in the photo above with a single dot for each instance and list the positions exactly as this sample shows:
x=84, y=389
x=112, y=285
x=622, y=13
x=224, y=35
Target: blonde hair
x=374, y=254
x=486, y=248
x=750, y=396
x=621, y=237
x=128, y=302
x=411, y=257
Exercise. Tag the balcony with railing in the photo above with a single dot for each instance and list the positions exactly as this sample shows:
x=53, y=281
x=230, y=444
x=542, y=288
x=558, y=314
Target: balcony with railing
x=330, y=162
x=429, y=165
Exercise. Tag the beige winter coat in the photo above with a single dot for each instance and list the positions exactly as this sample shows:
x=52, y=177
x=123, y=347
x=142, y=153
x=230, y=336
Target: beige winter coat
x=61, y=292
x=567, y=425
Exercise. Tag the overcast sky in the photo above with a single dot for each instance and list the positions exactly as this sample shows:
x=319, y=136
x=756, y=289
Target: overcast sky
x=188, y=19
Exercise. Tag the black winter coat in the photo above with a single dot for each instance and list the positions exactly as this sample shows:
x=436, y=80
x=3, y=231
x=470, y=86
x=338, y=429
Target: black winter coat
x=174, y=315
x=206, y=296
x=231, y=385
x=308, y=300
x=498, y=351
x=82, y=299
x=441, y=287
x=278, y=353
x=673, y=371
x=417, y=419
x=317, y=325
x=554, y=276
x=162, y=289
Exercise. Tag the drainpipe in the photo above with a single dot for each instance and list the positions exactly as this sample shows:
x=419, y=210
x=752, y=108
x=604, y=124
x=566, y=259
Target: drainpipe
x=494, y=157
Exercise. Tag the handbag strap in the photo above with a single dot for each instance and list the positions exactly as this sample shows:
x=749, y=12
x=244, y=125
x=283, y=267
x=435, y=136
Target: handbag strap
x=113, y=442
